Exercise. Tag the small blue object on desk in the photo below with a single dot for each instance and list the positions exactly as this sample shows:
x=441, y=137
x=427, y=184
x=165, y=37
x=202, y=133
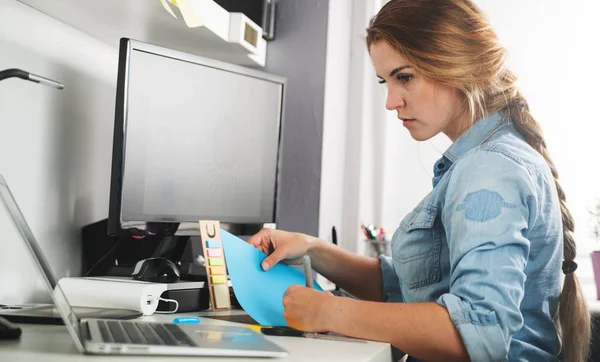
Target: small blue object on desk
x=186, y=320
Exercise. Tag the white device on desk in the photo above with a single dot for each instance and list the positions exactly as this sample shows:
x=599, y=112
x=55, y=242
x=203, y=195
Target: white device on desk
x=106, y=293
x=101, y=336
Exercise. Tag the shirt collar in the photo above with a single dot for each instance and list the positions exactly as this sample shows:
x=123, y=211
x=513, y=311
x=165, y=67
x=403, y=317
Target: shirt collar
x=476, y=135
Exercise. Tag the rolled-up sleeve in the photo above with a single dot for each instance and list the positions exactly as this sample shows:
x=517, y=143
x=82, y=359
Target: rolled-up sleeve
x=489, y=206
x=391, y=284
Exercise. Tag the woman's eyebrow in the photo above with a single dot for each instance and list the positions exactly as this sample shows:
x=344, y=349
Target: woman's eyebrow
x=393, y=72
x=396, y=70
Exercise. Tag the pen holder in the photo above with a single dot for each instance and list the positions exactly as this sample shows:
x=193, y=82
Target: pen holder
x=375, y=248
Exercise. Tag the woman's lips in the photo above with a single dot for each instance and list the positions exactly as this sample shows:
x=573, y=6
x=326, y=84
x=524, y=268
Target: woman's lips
x=406, y=122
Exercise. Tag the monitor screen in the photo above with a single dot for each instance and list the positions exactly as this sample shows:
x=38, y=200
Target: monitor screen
x=195, y=139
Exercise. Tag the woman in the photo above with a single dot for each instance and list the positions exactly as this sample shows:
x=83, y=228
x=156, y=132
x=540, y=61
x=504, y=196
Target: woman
x=477, y=264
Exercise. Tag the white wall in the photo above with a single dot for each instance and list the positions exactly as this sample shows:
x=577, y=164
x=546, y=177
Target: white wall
x=55, y=146
x=362, y=150
x=335, y=117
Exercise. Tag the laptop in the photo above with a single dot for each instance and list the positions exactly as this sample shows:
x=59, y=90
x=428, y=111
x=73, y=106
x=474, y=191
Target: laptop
x=119, y=337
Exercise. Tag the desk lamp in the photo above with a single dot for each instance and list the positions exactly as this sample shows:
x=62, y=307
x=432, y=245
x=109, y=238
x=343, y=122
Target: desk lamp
x=7, y=329
x=18, y=73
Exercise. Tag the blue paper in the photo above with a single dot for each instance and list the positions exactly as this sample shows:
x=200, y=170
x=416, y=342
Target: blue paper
x=259, y=292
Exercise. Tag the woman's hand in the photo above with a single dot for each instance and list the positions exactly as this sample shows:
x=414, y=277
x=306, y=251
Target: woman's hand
x=280, y=246
x=306, y=309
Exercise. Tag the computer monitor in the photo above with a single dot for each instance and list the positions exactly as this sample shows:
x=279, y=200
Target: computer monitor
x=194, y=139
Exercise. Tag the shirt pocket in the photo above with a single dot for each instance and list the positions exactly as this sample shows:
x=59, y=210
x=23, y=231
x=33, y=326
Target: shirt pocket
x=417, y=248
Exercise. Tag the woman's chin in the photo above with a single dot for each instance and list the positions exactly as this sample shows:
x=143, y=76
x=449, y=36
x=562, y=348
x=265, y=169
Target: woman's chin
x=420, y=136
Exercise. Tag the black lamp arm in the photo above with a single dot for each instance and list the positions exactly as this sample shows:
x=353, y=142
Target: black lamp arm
x=14, y=72
x=18, y=73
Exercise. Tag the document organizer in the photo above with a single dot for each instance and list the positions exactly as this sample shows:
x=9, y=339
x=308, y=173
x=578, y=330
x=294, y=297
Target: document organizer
x=216, y=269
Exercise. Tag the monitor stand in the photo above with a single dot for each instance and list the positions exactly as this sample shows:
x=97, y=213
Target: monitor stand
x=101, y=251
x=106, y=255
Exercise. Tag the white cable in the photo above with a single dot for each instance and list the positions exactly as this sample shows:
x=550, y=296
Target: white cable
x=168, y=301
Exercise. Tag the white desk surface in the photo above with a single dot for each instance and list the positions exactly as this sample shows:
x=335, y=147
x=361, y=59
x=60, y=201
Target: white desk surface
x=51, y=343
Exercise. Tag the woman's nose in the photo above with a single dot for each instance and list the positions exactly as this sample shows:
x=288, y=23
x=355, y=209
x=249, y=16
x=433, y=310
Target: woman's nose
x=394, y=100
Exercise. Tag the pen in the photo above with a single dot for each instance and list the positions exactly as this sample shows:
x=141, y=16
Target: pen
x=186, y=320
x=291, y=332
x=335, y=242
x=255, y=327
x=364, y=230
x=307, y=271
x=334, y=235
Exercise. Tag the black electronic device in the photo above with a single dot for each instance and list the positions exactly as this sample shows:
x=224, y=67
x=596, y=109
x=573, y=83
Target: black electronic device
x=47, y=314
x=156, y=270
x=117, y=255
x=9, y=330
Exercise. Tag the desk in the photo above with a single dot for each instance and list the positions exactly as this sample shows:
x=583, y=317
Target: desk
x=50, y=343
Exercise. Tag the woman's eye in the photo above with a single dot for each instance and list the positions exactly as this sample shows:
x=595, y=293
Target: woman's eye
x=404, y=78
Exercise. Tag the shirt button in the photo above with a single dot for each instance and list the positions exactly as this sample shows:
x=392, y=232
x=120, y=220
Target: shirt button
x=440, y=166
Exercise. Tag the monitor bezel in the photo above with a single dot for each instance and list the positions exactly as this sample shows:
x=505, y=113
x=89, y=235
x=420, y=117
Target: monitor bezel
x=116, y=225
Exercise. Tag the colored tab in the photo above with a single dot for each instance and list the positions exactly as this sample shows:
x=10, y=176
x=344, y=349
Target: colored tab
x=215, y=261
x=214, y=252
x=217, y=270
x=221, y=294
x=218, y=279
x=213, y=243
x=213, y=336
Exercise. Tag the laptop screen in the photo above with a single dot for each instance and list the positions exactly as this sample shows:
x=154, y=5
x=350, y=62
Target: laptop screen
x=15, y=227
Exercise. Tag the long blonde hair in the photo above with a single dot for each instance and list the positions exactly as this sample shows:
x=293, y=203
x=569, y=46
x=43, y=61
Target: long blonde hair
x=452, y=43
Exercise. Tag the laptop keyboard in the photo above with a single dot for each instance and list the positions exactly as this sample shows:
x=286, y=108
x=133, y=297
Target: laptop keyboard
x=166, y=334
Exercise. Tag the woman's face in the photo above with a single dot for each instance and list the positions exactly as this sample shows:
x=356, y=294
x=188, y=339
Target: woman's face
x=425, y=108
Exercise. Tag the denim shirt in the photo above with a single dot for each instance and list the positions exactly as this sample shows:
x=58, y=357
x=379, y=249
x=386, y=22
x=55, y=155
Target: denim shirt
x=486, y=243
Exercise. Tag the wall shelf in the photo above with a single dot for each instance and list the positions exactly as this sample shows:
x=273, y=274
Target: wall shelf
x=225, y=36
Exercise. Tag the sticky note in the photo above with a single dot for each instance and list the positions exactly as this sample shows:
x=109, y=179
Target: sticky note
x=217, y=270
x=215, y=261
x=221, y=294
x=214, y=252
x=214, y=336
x=213, y=243
x=218, y=279
x=258, y=292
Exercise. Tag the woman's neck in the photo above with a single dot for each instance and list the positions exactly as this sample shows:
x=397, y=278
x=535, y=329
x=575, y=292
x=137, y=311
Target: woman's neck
x=461, y=123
